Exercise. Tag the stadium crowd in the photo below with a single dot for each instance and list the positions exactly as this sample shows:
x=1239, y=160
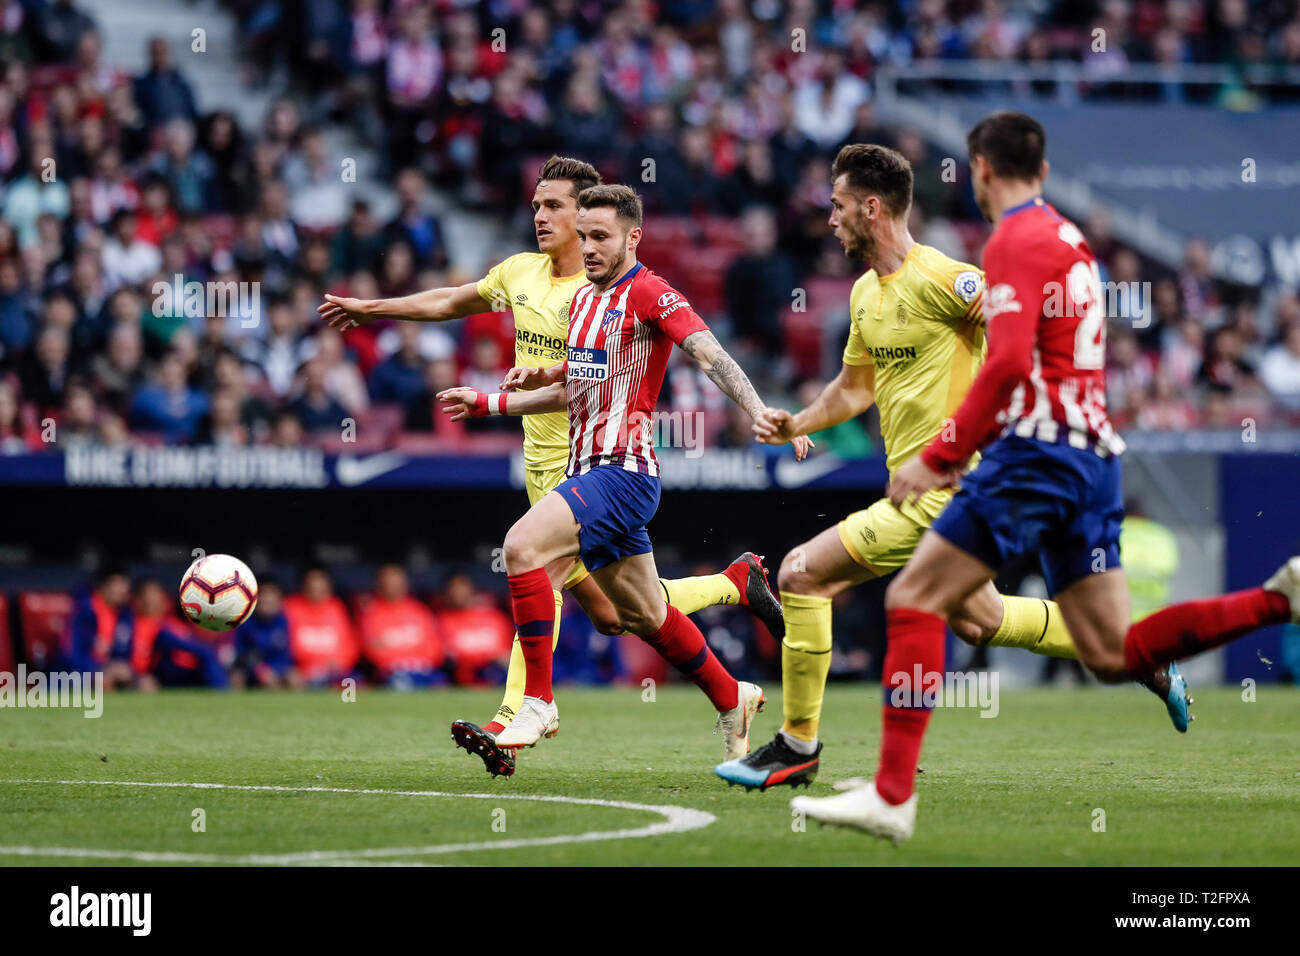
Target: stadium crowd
x=112, y=186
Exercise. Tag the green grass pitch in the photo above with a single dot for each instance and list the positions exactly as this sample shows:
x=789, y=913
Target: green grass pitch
x=1022, y=788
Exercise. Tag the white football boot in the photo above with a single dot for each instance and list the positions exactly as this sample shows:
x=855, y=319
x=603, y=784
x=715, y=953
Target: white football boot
x=536, y=719
x=1287, y=583
x=735, y=723
x=864, y=809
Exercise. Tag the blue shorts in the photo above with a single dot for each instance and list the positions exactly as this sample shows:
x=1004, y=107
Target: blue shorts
x=611, y=506
x=1027, y=496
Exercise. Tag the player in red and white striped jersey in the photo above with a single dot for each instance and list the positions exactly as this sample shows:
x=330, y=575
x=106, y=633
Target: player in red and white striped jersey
x=619, y=344
x=622, y=328
x=1049, y=485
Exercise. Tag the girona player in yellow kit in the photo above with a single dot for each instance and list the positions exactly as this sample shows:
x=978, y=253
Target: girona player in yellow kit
x=916, y=340
x=538, y=287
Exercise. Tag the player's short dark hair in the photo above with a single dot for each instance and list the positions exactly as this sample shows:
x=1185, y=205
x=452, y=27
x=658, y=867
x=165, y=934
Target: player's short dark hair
x=581, y=175
x=1013, y=143
x=877, y=170
x=622, y=199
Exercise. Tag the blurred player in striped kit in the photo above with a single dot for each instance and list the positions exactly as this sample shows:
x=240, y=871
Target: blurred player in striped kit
x=916, y=342
x=1048, y=484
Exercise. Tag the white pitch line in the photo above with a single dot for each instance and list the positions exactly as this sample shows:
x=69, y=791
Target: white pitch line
x=676, y=820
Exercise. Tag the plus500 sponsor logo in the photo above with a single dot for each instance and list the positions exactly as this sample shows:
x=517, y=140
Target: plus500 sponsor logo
x=591, y=364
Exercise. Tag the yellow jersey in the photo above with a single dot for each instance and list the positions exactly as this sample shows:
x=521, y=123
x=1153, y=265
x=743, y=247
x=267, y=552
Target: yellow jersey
x=921, y=329
x=540, y=303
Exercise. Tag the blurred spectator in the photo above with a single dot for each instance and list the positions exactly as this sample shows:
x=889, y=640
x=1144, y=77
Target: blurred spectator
x=315, y=408
x=760, y=283
x=1225, y=369
x=398, y=633
x=1280, y=369
x=223, y=424
x=1128, y=374
x=262, y=647
x=413, y=224
x=846, y=440
x=343, y=379
x=169, y=652
x=162, y=92
x=400, y=377
x=170, y=406
x=826, y=105
x=99, y=636
x=43, y=372
x=356, y=245
x=1166, y=407
x=76, y=422
x=321, y=637
x=60, y=26
x=13, y=437
x=127, y=258
x=37, y=192
x=422, y=412
x=316, y=184
x=1195, y=281
x=282, y=352
x=477, y=635
x=120, y=370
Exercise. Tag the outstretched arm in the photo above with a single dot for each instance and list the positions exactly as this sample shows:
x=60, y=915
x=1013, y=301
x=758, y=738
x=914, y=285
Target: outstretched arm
x=431, y=305
x=847, y=396
x=723, y=371
x=463, y=402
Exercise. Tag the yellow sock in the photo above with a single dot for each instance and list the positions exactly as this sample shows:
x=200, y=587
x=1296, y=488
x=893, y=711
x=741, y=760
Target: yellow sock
x=689, y=595
x=1035, y=625
x=805, y=662
x=514, y=696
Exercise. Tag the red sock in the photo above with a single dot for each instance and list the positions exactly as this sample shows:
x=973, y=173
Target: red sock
x=493, y=727
x=681, y=644
x=533, y=602
x=915, y=643
x=1182, y=630
x=738, y=574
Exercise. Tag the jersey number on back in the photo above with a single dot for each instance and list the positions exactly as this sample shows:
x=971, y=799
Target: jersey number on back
x=1083, y=286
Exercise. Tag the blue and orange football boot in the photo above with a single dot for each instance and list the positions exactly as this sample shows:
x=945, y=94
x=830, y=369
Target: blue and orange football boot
x=771, y=765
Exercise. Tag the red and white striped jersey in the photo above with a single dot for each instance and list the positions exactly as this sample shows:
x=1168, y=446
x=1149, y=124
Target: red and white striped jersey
x=1044, y=258
x=619, y=344
x=1045, y=376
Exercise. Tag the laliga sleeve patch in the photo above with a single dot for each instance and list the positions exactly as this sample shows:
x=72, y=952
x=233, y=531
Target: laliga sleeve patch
x=967, y=285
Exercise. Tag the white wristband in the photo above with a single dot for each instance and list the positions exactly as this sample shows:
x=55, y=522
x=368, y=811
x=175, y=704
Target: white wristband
x=497, y=403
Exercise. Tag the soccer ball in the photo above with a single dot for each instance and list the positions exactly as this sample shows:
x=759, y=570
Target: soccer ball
x=218, y=592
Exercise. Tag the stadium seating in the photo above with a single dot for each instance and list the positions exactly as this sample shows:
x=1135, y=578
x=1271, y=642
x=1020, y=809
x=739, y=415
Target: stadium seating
x=43, y=619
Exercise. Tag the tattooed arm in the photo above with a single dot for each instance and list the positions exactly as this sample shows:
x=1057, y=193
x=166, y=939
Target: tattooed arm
x=723, y=371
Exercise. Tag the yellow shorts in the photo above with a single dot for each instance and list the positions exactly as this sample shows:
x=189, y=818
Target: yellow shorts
x=539, y=482
x=881, y=538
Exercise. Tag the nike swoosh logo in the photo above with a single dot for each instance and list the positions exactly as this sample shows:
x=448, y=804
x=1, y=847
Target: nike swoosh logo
x=795, y=474
x=357, y=471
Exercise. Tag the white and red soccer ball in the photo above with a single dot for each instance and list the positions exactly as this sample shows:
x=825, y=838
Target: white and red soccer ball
x=218, y=592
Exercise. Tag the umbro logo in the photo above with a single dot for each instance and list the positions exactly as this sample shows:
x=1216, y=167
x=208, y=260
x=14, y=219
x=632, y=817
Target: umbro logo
x=521, y=297
x=869, y=535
